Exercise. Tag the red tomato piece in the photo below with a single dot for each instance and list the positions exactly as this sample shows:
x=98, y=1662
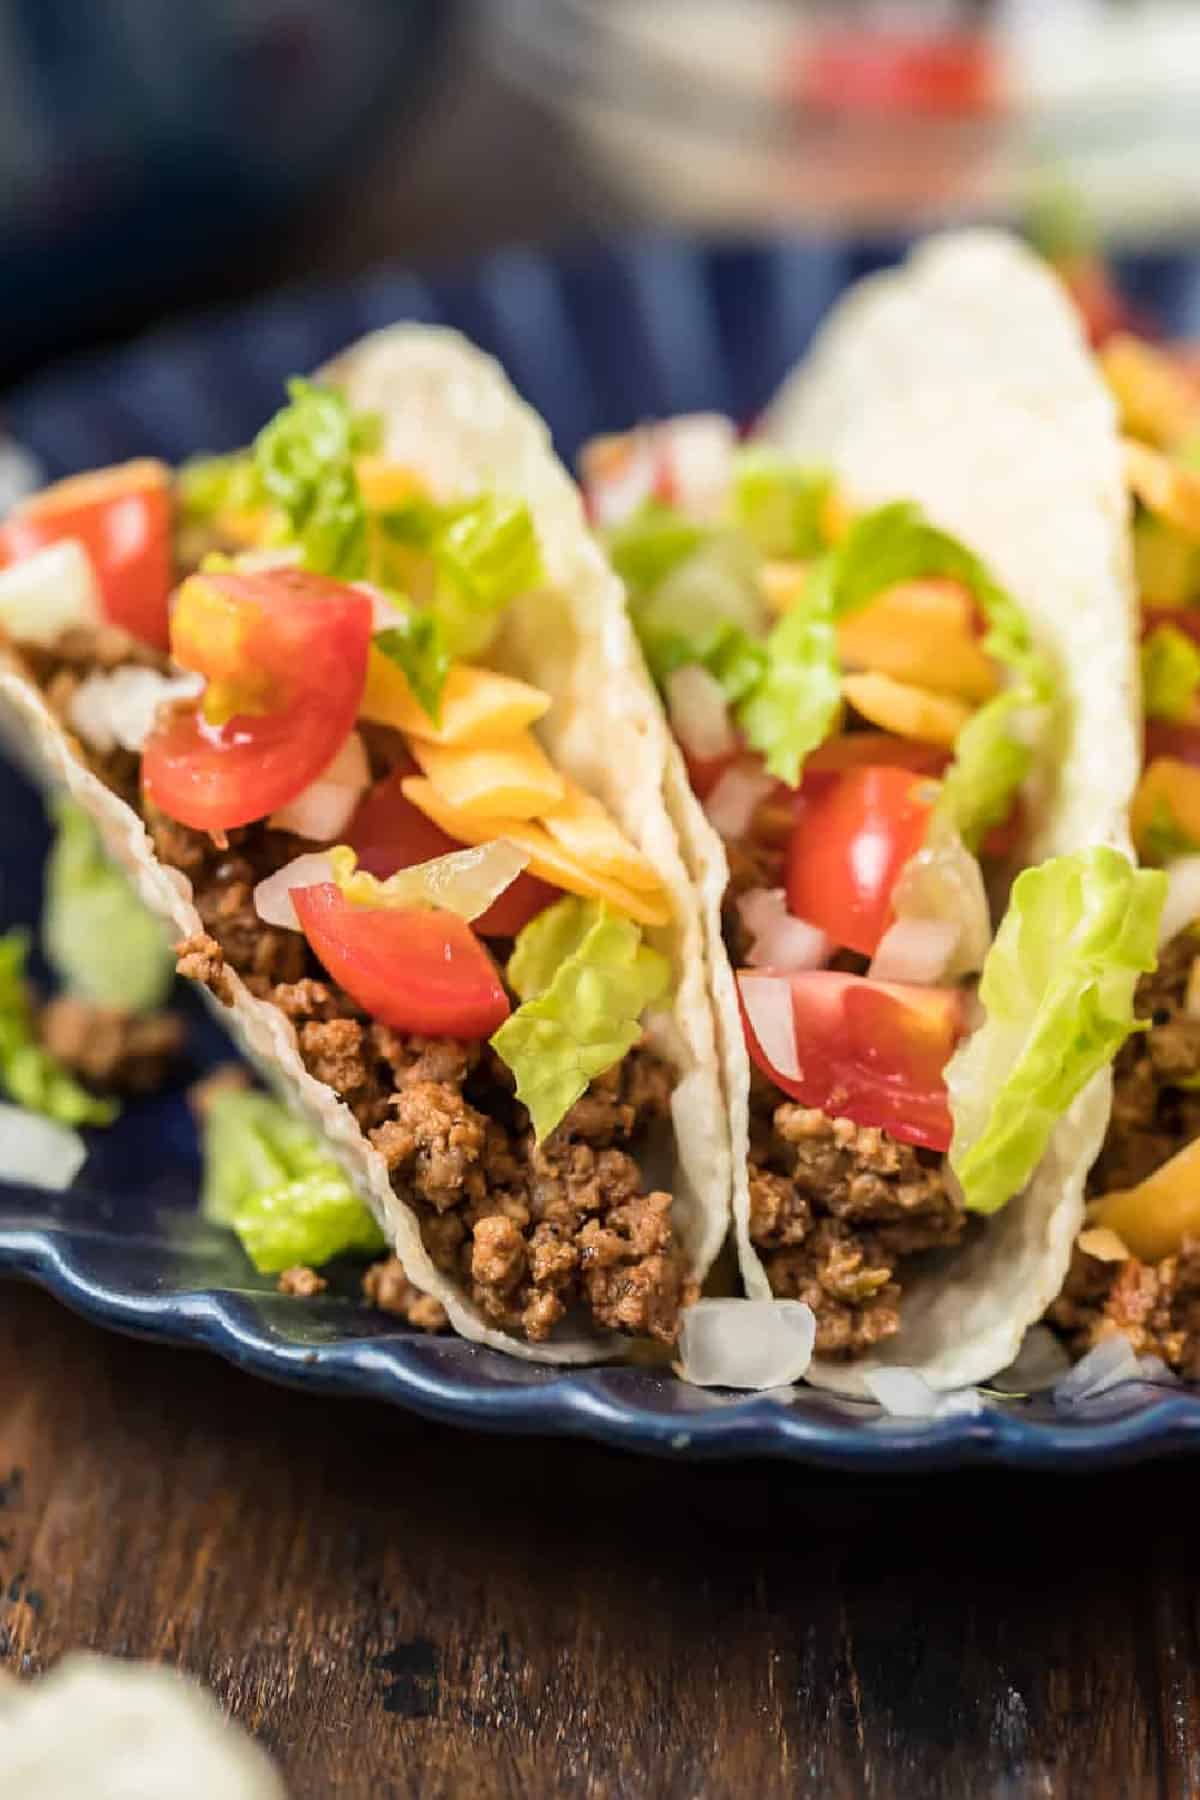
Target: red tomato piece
x=870, y=1051
x=388, y=833
x=942, y=74
x=297, y=640
x=415, y=970
x=1182, y=618
x=851, y=749
x=704, y=772
x=853, y=834
x=122, y=517
x=1162, y=738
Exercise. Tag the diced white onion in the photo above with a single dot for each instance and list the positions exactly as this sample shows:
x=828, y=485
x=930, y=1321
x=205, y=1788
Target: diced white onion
x=37, y=1150
x=735, y=799
x=618, y=475
x=384, y=612
x=905, y=1394
x=699, y=712
x=943, y=882
x=781, y=941
x=121, y=707
x=270, y=556
x=768, y=1003
x=272, y=896
x=1039, y=1363
x=752, y=1344
x=47, y=593
x=698, y=450
x=1182, y=903
x=1107, y=1365
x=915, y=950
x=465, y=882
x=326, y=806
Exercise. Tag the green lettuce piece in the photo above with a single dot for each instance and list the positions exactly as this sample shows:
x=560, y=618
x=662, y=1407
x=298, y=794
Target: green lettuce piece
x=707, y=610
x=795, y=704
x=778, y=502
x=207, y=486
x=1057, y=988
x=1166, y=563
x=1170, y=673
x=416, y=644
x=97, y=936
x=1164, y=838
x=486, y=554
x=304, y=459
x=269, y=1177
x=29, y=1075
x=652, y=542
x=585, y=978
x=990, y=763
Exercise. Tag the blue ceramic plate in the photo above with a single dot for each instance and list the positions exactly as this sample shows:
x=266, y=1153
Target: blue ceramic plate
x=653, y=327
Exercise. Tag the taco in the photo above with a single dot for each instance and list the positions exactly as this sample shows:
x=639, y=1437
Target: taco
x=360, y=714
x=892, y=636
x=1136, y=1268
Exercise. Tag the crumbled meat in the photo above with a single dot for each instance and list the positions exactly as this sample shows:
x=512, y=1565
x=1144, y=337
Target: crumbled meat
x=117, y=1051
x=1153, y=1116
x=834, y=1207
x=531, y=1232
x=302, y=1282
x=386, y=1286
x=1155, y=1305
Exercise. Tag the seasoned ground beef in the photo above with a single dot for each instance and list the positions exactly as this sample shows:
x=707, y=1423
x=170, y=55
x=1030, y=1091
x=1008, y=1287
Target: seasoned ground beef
x=116, y=1051
x=386, y=1286
x=1153, y=1116
x=1155, y=1305
x=301, y=1282
x=834, y=1208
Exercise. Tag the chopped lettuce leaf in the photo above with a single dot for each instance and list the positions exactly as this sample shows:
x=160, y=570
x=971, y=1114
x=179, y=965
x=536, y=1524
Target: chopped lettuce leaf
x=793, y=706
x=208, y=486
x=779, y=503
x=98, y=937
x=486, y=554
x=650, y=544
x=1057, y=989
x=585, y=978
x=1164, y=838
x=708, y=610
x=29, y=1075
x=990, y=763
x=1170, y=673
x=269, y=1177
x=305, y=463
x=416, y=644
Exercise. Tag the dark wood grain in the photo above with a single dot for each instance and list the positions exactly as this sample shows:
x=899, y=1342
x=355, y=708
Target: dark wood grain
x=398, y=1609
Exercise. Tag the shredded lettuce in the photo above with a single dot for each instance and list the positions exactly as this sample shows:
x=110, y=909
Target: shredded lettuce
x=651, y=543
x=1170, y=673
x=486, y=554
x=585, y=977
x=304, y=458
x=269, y=1178
x=416, y=643
x=1057, y=988
x=208, y=486
x=779, y=503
x=708, y=610
x=1164, y=839
x=97, y=936
x=29, y=1075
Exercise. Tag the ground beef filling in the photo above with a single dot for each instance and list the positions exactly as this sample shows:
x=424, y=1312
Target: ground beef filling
x=834, y=1208
x=1155, y=1305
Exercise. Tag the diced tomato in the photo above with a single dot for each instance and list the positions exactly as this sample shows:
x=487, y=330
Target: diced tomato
x=852, y=836
x=1003, y=838
x=870, y=1051
x=1182, y=618
x=294, y=642
x=704, y=772
x=418, y=971
x=942, y=74
x=1181, y=742
x=122, y=517
x=851, y=749
x=388, y=833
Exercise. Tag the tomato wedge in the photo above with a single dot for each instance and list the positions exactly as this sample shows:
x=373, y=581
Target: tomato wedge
x=1180, y=742
x=1183, y=618
x=853, y=749
x=853, y=834
x=295, y=646
x=122, y=517
x=419, y=971
x=388, y=833
x=870, y=1051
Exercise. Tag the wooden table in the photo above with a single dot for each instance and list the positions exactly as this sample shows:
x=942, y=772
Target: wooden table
x=399, y=1609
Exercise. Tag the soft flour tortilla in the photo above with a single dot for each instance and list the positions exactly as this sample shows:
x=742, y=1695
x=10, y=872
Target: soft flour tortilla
x=961, y=381
x=450, y=413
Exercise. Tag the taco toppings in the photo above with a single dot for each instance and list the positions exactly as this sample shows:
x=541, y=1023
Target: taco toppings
x=864, y=713
x=281, y=659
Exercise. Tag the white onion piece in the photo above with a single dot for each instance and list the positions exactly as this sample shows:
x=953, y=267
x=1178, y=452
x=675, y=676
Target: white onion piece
x=752, y=1344
x=905, y=1394
x=38, y=1151
x=465, y=882
x=1107, y=1365
x=943, y=881
x=915, y=950
x=121, y=707
x=272, y=896
x=1182, y=903
x=735, y=799
x=618, y=475
x=270, y=556
x=781, y=941
x=384, y=612
x=697, y=450
x=768, y=1003
x=47, y=593
x=699, y=712
x=326, y=806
